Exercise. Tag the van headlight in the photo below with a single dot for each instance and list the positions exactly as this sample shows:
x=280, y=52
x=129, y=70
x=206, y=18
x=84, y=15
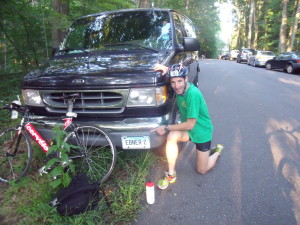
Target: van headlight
x=32, y=97
x=147, y=96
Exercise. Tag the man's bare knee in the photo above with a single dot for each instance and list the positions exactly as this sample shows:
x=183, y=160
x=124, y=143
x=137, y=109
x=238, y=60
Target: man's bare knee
x=176, y=136
x=201, y=171
x=173, y=136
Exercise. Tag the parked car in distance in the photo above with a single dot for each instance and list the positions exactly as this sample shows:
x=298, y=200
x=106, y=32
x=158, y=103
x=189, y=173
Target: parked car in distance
x=244, y=55
x=223, y=56
x=259, y=58
x=233, y=54
x=287, y=61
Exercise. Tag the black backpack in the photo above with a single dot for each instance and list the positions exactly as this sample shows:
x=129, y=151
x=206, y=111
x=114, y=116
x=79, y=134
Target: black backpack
x=78, y=197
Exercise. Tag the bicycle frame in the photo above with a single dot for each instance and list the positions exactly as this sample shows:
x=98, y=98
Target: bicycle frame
x=37, y=136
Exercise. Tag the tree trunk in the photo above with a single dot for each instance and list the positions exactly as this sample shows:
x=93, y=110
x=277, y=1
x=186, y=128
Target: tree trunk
x=60, y=7
x=238, y=29
x=143, y=3
x=265, y=40
x=252, y=10
x=4, y=51
x=187, y=6
x=244, y=28
x=294, y=28
x=256, y=19
x=283, y=28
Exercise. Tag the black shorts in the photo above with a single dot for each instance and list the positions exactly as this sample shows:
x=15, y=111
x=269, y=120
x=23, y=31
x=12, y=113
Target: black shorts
x=203, y=147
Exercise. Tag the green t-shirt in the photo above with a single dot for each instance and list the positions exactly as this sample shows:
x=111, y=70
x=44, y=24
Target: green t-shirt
x=192, y=105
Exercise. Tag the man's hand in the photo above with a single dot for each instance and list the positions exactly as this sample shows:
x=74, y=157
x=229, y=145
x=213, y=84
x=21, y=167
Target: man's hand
x=184, y=126
x=160, y=67
x=160, y=130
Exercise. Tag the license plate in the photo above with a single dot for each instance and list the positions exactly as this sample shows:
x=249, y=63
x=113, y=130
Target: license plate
x=142, y=142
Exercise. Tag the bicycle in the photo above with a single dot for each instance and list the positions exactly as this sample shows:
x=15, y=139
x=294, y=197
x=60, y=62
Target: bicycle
x=94, y=155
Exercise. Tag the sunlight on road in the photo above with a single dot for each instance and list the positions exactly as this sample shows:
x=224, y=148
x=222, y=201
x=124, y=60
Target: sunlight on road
x=292, y=82
x=284, y=140
x=289, y=81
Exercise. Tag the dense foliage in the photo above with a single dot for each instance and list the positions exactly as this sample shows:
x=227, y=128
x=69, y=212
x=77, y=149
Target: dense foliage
x=271, y=27
x=31, y=29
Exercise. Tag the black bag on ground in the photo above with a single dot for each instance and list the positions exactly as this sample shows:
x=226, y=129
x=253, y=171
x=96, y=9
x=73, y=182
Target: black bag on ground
x=78, y=197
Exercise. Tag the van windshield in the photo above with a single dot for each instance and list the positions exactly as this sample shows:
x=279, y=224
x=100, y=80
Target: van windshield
x=148, y=30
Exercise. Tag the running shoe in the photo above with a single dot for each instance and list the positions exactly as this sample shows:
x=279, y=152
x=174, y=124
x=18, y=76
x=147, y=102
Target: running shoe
x=218, y=148
x=168, y=179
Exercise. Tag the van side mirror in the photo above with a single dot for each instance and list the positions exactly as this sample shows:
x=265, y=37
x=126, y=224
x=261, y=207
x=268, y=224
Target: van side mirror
x=190, y=44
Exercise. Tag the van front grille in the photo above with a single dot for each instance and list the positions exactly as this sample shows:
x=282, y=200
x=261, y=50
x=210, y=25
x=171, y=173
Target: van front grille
x=112, y=101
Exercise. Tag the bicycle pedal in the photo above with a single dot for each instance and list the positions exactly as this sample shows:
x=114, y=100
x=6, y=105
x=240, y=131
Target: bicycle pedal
x=65, y=163
x=43, y=171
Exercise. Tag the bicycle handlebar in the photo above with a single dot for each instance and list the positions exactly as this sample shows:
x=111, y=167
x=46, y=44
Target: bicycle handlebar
x=70, y=98
x=14, y=106
x=6, y=106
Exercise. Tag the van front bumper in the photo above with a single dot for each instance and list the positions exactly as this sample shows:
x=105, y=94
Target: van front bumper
x=115, y=129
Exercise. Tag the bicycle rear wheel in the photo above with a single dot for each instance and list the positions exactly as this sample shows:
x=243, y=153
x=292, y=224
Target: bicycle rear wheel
x=96, y=155
x=15, y=154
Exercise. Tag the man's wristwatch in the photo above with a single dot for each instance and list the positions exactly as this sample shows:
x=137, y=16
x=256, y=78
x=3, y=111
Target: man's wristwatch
x=167, y=128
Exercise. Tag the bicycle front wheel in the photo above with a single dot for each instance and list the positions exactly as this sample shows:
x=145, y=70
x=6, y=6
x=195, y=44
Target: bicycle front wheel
x=94, y=153
x=15, y=154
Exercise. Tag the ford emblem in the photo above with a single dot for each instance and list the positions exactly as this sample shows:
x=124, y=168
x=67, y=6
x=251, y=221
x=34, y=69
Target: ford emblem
x=78, y=81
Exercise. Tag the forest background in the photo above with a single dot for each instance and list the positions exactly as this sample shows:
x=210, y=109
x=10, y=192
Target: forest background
x=31, y=29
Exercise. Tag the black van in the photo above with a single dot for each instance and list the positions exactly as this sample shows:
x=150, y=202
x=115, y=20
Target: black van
x=108, y=58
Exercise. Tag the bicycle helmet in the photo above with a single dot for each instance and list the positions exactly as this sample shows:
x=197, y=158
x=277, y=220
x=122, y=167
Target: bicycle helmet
x=177, y=70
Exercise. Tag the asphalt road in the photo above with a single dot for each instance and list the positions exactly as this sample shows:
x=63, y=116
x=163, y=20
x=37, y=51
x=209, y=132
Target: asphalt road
x=256, y=116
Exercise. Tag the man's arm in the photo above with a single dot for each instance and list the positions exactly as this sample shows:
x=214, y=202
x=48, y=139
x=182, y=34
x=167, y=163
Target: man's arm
x=160, y=67
x=188, y=125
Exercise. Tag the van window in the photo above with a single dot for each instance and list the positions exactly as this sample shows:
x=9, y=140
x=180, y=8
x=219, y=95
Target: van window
x=188, y=27
x=120, y=30
x=178, y=28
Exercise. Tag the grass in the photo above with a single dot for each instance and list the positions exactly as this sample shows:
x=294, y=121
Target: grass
x=27, y=202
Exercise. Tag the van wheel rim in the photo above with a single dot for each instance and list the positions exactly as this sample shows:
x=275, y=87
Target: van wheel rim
x=289, y=69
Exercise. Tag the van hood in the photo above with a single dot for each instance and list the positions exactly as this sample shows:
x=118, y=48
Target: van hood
x=94, y=71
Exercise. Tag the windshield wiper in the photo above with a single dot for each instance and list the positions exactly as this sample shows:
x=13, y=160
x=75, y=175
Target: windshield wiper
x=75, y=49
x=132, y=44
